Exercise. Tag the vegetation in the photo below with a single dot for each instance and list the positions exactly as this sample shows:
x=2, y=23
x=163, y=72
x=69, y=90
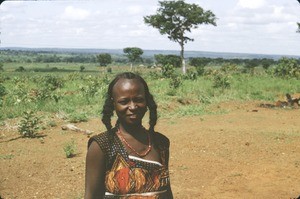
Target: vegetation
x=176, y=18
x=104, y=59
x=162, y=60
x=133, y=54
x=29, y=125
x=70, y=149
x=76, y=96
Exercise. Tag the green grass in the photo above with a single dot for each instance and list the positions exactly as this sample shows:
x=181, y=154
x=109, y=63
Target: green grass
x=81, y=94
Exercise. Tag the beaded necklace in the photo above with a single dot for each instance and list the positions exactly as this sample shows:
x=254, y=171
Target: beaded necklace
x=129, y=146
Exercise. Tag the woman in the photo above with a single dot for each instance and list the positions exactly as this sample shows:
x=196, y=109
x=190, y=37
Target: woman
x=128, y=160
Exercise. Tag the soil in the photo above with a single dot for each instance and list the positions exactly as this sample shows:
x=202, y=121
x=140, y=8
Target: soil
x=244, y=151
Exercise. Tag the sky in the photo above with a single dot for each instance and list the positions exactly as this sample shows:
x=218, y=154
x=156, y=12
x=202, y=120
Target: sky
x=243, y=26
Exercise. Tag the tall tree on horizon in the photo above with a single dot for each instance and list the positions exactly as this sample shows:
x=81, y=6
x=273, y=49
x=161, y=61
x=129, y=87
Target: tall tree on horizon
x=133, y=54
x=176, y=18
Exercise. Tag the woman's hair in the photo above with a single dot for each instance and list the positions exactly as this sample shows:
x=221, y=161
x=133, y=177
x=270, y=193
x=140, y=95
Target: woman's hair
x=108, y=106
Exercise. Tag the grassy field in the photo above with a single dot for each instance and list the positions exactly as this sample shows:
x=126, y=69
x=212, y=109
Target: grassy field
x=62, y=88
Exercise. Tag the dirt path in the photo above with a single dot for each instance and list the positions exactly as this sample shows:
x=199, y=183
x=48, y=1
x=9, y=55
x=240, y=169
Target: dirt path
x=247, y=152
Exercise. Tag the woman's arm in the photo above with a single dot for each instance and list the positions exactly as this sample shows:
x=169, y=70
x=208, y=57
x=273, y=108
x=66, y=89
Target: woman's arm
x=94, y=173
x=169, y=194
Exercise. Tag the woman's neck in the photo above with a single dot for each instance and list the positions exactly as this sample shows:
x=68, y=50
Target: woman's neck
x=134, y=130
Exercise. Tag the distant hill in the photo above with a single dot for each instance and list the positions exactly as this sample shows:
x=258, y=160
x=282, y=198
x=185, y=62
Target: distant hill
x=151, y=53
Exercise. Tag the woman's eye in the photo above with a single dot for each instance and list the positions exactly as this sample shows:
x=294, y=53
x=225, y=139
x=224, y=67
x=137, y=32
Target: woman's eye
x=140, y=100
x=123, y=102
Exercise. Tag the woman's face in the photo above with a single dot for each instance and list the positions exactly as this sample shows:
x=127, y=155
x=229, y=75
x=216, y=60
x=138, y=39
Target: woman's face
x=129, y=101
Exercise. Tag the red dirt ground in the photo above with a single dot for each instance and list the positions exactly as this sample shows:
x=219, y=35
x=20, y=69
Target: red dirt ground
x=245, y=152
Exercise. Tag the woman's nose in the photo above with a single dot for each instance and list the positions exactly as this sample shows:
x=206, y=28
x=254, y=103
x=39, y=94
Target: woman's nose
x=132, y=106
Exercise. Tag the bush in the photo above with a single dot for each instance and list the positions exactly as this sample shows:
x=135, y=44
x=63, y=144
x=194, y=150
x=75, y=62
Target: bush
x=82, y=68
x=109, y=70
x=29, y=125
x=76, y=118
x=70, y=149
x=20, y=69
x=230, y=69
x=221, y=80
x=154, y=75
x=287, y=68
x=191, y=74
x=52, y=82
x=175, y=82
x=200, y=61
x=2, y=93
x=168, y=70
x=173, y=60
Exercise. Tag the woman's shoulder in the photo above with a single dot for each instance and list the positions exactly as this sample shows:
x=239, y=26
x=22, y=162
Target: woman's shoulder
x=161, y=140
x=100, y=138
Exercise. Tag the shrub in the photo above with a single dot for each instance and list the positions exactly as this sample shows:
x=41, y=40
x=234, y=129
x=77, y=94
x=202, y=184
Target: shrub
x=20, y=69
x=93, y=85
x=191, y=74
x=2, y=94
x=173, y=60
x=168, y=70
x=221, y=80
x=76, y=117
x=52, y=82
x=200, y=70
x=29, y=125
x=229, y=68
x=175, y=82
x=109, y=70
x=70, y=149
x=287, y=68
x=154, y=75
x=82, y=68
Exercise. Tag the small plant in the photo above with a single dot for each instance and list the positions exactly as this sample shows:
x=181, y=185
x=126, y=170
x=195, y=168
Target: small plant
x=175, y=82
x=221, y=80
x=76, y=118
x=168, y=70
x=154, y=75
x=20, y=69
x=52, y=83
x=82, y=68
x=52, y=123
x=109, y=70
x=70, y=149
x=191, y=74
x=2, y=94
x=29, y=125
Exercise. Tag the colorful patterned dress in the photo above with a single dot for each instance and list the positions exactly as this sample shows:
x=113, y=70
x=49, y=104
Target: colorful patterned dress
x=129, y=176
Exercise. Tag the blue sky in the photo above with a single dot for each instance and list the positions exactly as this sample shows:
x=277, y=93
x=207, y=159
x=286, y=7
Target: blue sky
x=245, y=26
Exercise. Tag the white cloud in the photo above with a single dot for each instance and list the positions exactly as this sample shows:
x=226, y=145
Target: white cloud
x=134, y=10
x=8, y=17
x=252, y=4
x=71, y=13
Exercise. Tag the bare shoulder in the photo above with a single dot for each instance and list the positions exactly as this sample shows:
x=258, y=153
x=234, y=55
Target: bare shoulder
x=161, y=140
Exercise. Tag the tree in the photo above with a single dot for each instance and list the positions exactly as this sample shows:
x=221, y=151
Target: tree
x=173, y=60
x=298, y=31
x=104, y=59
x=175, y=18
x=199, y=63
x=133, y=54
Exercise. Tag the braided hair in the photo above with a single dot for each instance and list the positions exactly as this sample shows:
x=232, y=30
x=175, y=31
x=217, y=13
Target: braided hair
x=108, y=107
